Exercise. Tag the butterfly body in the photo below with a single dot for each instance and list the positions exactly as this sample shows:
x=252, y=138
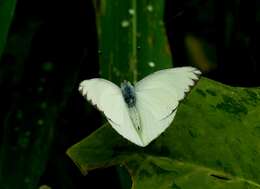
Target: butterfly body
x=140, y=113
x=128, y=93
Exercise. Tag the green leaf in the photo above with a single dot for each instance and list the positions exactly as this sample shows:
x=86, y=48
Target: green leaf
x=7, y=8
x=26, y=142
x=212, y=143
x=132, y=38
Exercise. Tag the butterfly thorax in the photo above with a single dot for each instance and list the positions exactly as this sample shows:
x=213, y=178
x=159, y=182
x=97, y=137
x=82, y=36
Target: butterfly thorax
x=128, y=93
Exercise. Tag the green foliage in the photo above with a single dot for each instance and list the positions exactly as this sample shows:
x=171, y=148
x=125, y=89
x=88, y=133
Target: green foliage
x=132, y=38
x=212, y=143
x=28, y=128
x=22, y=159
x=7, y=8
x=32, y=113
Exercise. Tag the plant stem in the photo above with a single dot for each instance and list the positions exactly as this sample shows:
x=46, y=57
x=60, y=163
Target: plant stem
x=133, y=62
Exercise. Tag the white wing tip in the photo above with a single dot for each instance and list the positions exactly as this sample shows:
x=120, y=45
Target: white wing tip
x=196, y=74
x=197, y=71
x=82, y=89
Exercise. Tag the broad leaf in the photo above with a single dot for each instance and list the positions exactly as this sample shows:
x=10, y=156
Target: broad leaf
x=132, y=38
x=7, y=8
x=212, y=143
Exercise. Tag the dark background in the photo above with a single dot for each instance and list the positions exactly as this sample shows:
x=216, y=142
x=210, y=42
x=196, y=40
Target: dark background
x=52, y=46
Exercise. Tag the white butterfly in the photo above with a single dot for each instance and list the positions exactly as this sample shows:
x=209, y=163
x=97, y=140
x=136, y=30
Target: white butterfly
x=140, y=113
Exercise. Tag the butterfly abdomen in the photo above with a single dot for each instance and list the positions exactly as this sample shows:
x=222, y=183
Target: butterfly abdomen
x=135, y=118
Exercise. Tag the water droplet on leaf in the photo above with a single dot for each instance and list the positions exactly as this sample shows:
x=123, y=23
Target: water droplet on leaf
x=125, y=23
x=151, y=64
x=149, y=8
x=131, y=11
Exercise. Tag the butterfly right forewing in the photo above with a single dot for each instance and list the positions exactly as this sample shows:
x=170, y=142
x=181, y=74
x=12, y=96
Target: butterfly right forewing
x=157, y=98
x=180, y=79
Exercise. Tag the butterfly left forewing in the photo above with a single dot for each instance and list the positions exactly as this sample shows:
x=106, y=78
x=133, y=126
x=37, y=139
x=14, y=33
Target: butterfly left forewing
x=107, y=97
